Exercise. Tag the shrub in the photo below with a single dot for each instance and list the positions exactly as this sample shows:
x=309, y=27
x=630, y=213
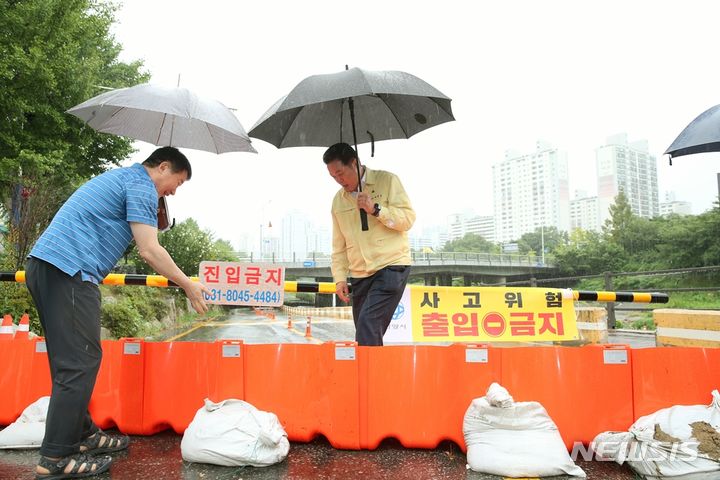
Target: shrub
x=121, y=318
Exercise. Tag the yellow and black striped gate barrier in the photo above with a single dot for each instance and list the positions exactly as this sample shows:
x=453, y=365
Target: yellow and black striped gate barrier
x=329, y=287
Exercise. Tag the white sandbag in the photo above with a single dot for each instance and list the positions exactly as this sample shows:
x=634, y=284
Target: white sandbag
x=516, y=440
x=234, y=433
x=681, y=442
x=498, y=396
x=611, y=446
x=28, y=430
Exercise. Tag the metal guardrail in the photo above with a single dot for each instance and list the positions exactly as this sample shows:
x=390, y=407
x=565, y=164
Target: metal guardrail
x=439, y=258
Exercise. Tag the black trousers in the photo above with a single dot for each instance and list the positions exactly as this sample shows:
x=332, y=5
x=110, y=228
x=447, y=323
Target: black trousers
x=70, y=316
x=375, y=299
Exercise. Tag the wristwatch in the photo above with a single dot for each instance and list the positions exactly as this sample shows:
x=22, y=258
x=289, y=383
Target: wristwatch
x=376, y=212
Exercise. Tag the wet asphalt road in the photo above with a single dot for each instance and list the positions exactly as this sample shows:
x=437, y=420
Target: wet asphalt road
x=158, y=457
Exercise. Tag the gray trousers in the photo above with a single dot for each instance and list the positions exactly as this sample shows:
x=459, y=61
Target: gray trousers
x=70, y=316
x=374, y=300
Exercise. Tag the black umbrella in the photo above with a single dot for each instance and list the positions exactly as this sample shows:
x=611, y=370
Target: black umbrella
x=360, y=104
x=702, y=135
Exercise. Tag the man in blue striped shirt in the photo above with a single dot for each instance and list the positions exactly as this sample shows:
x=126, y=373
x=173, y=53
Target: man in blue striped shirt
x=84, y=241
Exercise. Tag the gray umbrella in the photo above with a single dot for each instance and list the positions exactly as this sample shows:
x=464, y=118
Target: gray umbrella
x=702, y=135
x=170, y=116
x=387, y=105
x=353, y=105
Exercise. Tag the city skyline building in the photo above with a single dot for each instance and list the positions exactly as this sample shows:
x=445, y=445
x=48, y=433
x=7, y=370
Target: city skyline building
x=585, y=214
x=673, y=206
x=627, y=166
x=300, y=237
x=460, y=224
x=434, y=237
x=483, y=225
x=531, y=190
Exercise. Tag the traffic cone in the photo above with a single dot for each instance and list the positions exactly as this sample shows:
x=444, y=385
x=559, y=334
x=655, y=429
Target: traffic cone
x=23, y=328
x=307, y=328
x=289, y=325
x=6, y=329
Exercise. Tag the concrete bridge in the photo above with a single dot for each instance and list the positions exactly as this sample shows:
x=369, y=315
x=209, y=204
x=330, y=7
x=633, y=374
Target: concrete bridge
x=434, y=268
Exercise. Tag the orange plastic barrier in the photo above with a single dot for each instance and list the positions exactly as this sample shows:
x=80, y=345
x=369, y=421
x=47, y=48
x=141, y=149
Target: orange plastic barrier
x=313, y=389
x=117, y=399
x=180, y=375
x=358, y=396
x=667, y=376
x=585, y=390
x=419, y=394
x=23, y=327
x=24, y=376
x=7, y=330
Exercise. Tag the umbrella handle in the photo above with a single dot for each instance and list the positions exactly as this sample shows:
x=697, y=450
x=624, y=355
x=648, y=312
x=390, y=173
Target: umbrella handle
x=363, y=213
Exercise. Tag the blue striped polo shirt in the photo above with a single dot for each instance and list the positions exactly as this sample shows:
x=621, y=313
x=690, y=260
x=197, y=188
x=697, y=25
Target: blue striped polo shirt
x=90, y=232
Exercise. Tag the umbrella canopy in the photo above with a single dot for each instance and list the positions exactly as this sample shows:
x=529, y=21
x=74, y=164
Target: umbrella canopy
x=387, y=105
x=702, y=135
x=165, y=116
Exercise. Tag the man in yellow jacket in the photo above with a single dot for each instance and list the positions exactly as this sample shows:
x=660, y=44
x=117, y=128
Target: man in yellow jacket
x=377, y=261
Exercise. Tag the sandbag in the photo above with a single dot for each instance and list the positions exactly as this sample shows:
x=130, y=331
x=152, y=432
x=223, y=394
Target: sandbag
x=679, y=443
x=514, y=439
x=234, y=433
x=28, y=430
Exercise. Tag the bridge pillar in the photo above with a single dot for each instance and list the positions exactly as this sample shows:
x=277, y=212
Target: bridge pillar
x=429, y=280
x=467, y=280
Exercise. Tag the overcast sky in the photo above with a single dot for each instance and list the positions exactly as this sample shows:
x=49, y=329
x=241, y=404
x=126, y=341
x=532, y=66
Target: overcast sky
x=568, y=72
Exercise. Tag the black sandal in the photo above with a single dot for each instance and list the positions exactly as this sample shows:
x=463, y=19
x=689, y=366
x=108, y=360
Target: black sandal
x=83, y=461
x=113, y=443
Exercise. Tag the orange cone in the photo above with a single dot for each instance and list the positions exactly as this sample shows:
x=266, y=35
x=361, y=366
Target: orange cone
x=6, y=329
x=307, y=328
x=289, y=325
x=23, y=328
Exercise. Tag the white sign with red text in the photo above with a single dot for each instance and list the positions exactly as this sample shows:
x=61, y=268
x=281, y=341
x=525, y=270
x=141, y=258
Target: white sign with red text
x=236, y=283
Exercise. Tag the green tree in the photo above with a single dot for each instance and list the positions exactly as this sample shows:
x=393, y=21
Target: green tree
x=709, y=236
x=471, y=242
x=188, y=245
x=618, y=226
x=550, y=237
x=588, y=252
x=637, y=237
x=690, y=241
x=223, y=251
x=54, y=54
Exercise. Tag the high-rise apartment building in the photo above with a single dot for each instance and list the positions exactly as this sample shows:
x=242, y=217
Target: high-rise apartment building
x=294, y=233
x=460, y=224
x=300, y=237
x=585, y=213
x=531, y=190
x=671, y=205
x=630, y=168
x=434, y=238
